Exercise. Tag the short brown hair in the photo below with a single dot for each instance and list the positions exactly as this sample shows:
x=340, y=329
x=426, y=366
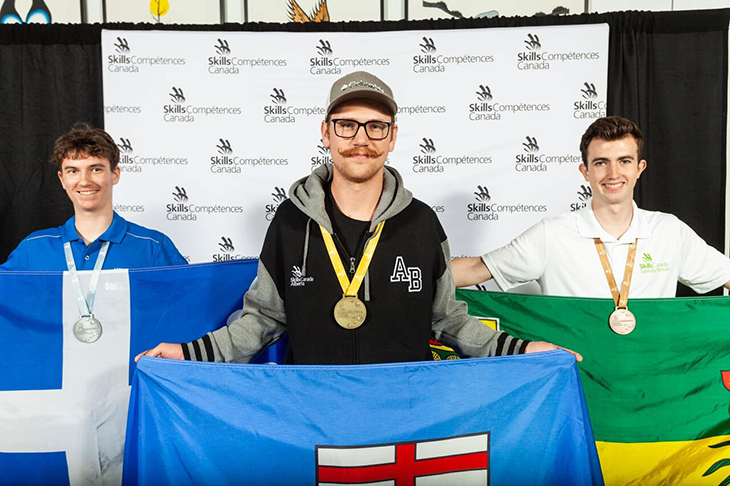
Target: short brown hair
x=83, y=141
x=610, y=128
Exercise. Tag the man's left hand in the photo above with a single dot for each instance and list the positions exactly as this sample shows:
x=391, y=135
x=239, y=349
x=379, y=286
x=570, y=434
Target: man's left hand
x=540, y=346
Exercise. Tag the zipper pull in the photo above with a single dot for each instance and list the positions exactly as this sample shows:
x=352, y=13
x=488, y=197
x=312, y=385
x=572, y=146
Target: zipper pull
x=352, y=264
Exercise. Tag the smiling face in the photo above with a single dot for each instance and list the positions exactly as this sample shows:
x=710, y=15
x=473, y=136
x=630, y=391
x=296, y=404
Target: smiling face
x=88, y=181
x=612, y=169
x=359, y=159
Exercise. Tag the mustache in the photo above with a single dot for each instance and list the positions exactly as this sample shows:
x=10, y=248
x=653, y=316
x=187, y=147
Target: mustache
x=370, y=152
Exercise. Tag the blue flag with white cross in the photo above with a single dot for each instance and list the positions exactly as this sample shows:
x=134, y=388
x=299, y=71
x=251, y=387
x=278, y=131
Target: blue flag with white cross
x=63, y=402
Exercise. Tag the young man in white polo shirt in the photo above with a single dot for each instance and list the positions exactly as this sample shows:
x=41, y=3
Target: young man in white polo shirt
x=563, y=253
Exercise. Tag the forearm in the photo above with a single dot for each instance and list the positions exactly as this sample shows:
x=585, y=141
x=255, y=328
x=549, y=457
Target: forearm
x=469, y=271
x=472, y=339
x=239, y=342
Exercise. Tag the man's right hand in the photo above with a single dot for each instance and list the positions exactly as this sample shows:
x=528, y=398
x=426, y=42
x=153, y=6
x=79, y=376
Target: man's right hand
x=163, y=350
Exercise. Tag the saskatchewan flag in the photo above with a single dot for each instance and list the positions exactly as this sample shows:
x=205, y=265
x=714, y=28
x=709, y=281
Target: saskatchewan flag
x=658, y=398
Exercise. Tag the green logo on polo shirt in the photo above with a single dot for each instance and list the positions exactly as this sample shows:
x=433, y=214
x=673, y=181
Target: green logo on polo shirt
x=648, y=266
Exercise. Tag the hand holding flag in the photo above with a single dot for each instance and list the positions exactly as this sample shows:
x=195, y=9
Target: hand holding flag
x=163, y=350
x=540, y=346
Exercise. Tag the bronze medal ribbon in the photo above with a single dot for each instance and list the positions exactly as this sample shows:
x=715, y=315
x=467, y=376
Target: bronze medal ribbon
x=621, y=300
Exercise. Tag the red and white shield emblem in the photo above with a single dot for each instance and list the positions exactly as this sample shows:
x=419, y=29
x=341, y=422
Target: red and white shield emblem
x=460, y=460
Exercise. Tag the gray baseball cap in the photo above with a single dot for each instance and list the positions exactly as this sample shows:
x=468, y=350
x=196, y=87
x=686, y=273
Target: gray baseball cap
x=357, y=85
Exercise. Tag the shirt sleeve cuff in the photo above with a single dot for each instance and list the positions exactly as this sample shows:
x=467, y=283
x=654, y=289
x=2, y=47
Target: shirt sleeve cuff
x=199, y=350
x=186, y=351
x=523, y=347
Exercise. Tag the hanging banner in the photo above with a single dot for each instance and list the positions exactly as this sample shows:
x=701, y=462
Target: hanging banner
x=215, y=126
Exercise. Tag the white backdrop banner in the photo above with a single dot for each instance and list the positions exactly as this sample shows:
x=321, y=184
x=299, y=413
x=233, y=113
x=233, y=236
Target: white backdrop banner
x=215, y=126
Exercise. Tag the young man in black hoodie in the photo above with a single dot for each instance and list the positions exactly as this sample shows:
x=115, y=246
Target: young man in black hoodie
x=353, y=268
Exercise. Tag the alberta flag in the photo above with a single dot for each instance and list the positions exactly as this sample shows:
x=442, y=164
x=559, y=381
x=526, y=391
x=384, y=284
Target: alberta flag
x=508, y=420
x=63, y=403
x=658, y=398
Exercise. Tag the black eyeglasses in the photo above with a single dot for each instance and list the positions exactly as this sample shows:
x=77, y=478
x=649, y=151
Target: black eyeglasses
x=374, y=129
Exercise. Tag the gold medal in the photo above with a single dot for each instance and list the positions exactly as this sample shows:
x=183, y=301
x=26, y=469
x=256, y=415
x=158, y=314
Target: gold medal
x=622, y=321
x=350, y=312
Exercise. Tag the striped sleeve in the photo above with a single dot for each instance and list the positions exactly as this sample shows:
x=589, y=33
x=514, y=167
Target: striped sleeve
x=199, y=350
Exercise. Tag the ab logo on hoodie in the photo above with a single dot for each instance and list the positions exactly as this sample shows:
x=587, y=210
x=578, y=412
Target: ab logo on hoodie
x=412, y=275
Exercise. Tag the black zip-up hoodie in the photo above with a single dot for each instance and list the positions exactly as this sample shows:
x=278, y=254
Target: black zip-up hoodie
x=408, y=290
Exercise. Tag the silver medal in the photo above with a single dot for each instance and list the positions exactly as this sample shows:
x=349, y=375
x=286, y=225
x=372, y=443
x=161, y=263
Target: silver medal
x=87, y=329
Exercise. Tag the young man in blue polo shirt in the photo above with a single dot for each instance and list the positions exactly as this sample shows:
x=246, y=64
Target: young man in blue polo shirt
x=87, y=160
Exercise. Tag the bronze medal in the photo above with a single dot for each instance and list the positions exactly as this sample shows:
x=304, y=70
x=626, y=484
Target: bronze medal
x=350, y=312
x=622, y=321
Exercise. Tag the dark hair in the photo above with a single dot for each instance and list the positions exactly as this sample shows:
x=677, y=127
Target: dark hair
x=83, y=141
x=610, y=128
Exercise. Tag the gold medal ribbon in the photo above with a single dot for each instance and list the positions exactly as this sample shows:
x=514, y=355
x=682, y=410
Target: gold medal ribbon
x=621, y=300
x=350, y=288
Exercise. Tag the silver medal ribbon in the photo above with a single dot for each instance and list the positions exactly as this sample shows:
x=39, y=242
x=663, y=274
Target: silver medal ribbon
x=87, y=329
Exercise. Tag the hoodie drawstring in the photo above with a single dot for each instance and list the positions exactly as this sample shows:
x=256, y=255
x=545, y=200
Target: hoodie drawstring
x=306, y=248
x=367, y=286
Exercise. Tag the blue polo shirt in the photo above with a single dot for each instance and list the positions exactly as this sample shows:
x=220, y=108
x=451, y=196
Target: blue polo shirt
x=130, y=246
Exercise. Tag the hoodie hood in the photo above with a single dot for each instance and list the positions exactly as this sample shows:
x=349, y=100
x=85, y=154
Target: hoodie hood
x=308, y=195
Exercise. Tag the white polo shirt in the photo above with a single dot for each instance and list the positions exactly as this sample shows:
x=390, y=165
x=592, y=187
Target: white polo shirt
x=559, y=253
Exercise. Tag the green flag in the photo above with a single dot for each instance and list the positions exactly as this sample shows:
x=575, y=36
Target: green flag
x=658, y=397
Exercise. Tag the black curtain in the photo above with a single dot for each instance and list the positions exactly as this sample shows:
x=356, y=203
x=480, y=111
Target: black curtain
x=50, y=78
x=667, y=72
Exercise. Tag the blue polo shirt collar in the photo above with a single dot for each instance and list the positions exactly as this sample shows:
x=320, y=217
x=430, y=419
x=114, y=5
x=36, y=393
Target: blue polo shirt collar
x=113, y=234
x=116, y=231
x=68, y=231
